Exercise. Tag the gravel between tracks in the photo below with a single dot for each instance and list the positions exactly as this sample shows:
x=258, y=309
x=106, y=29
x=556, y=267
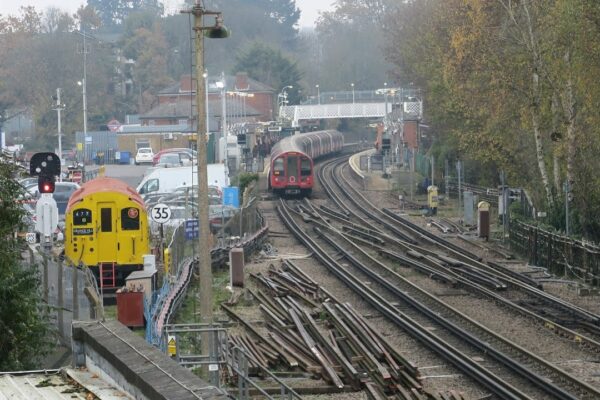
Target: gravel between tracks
x=438, y=374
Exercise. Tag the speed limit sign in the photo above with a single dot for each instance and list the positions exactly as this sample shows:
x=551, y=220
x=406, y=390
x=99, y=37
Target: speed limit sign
x=160, y=213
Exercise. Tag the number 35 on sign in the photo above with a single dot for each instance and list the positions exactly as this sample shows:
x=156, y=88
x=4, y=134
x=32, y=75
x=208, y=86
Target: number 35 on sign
x=160, y=213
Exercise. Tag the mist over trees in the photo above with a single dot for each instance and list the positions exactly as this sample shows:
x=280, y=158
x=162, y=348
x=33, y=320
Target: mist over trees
x=133, y=51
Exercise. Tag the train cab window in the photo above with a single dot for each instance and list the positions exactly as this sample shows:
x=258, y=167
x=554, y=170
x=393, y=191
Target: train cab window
x=106, y=219
x=82, y=216
x=278, y=166
x=305, y=167
x=130, y=219
x=149, y=186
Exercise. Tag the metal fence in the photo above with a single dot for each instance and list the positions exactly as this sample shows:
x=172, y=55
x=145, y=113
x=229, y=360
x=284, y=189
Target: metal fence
x=68, y=291
x=559, y=254
x=98, y=147
x=225, y=360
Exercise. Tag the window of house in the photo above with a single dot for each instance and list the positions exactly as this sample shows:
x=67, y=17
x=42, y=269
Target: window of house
x=139, y=143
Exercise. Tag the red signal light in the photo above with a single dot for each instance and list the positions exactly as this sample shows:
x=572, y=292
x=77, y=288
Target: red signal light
x=46, y=184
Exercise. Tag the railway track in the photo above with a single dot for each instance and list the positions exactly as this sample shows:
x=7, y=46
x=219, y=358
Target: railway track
x=415, y=311
x=373, y=236
x=523, y=295
x=445, y=350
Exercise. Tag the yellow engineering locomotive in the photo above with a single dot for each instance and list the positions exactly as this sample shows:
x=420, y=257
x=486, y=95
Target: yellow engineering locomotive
x=106, y=229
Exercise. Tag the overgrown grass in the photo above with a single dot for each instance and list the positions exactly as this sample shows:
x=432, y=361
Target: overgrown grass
x=189, y=310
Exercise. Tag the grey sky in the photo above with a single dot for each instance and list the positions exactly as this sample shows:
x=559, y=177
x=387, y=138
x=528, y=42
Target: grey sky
x=310, y=8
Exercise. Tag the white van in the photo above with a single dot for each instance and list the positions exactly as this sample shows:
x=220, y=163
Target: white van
x=166, y=180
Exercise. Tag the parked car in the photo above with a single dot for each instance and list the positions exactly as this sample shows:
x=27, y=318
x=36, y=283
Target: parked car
x=144, y=155
x=167, y=160
x=188, y=156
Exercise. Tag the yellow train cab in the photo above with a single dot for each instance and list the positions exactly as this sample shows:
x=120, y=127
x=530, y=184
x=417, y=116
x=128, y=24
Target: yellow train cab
x=106, y=227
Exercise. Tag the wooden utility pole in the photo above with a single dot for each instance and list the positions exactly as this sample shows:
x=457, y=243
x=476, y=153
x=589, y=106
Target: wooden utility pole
x=204, y=259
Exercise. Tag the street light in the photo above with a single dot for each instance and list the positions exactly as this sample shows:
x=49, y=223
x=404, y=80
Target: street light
x=83, y=85
x=352, y=84
x=385, y=96
x=318, y=94
x=59, y=108
x=282, y=98
x=216, y=31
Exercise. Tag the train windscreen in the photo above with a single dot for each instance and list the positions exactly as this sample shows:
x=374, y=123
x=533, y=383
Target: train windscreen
x=278, y=166
x=305, y=167
x=292, y=166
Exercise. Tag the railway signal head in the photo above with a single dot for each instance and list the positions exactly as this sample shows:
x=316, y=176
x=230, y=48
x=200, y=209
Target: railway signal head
x=46, y=184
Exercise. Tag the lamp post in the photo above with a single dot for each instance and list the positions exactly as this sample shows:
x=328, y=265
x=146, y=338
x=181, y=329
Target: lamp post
x=352, y=84
x=83, y=87
x=385, y=97
x=318, y=94
x=59, y=108
x=216, y=31
x=282, y=98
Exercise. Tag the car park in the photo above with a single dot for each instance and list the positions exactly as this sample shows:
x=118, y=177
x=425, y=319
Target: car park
x=144, y=155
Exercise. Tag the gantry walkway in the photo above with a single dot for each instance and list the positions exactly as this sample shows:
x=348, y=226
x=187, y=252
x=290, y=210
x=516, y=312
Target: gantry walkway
x=345, y=107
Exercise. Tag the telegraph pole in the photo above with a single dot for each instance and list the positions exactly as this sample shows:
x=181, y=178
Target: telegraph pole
x=206, y=312
x=205, y=267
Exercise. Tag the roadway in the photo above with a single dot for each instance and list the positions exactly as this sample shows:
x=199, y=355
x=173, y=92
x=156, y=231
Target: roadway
x=130, y=174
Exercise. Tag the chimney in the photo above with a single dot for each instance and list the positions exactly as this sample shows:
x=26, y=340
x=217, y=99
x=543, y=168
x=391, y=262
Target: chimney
x=185, y=84
x=241, y=81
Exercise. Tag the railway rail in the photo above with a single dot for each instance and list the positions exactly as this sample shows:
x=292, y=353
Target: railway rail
x=371, y=235
x=524, y=297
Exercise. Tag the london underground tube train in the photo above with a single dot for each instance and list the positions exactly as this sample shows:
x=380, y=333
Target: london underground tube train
x=292, y=160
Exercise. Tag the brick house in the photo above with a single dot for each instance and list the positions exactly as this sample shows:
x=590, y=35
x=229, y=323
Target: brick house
x=247, y=101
